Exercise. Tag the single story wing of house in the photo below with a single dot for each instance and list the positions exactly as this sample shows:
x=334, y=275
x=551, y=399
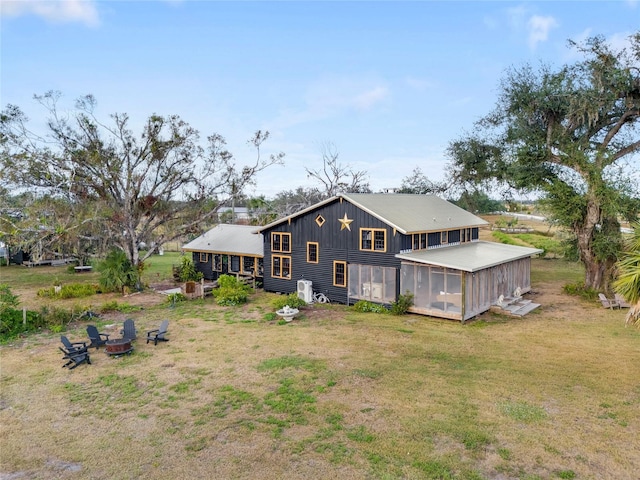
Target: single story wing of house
x=376, y=247
x=227, y=249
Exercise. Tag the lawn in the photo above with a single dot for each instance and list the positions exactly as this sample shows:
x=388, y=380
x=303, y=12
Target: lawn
x=333, y=394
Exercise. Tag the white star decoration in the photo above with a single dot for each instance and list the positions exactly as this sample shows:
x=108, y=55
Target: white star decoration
x=345, y=222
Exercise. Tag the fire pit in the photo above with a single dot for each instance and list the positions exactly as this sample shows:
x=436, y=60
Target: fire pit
x=118, y=346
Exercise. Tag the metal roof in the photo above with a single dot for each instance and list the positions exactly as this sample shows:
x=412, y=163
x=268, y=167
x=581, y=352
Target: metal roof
x=470, y=257
x=228, y=239
x=407, y=213
x=415, y=213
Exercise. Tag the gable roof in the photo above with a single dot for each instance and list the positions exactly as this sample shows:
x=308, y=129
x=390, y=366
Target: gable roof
x=228, y=239
x=470, y=257
x=407, y=213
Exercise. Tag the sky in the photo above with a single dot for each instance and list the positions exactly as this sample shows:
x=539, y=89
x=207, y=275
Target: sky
x=387, y=83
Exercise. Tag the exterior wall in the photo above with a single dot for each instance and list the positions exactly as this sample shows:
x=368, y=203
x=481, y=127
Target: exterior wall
x=335, y=244
x=212, y=265
x=205, y=267
x=443, y=292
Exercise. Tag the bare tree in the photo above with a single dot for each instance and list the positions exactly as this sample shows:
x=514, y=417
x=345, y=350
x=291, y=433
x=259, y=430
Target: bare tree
x=155, y=187
x=335, y=177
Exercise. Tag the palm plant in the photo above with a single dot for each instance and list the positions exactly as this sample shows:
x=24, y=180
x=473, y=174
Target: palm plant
x=117, y=272
x=628, y=282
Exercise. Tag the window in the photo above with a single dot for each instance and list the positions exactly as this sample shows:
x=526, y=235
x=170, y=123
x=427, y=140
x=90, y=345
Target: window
x=444, y=237
x=373, y=239
x=204, y=257
x=320, y=220
x=248, y=265
x=372, y=283
x=281, y=242
x=281, y=267
x=419, y=241
x=312, y=252
x=217, y=263
x=339, y=273
x=235, y=263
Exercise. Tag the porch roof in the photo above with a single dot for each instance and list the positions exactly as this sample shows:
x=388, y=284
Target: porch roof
x=470, y=257
x=228, y=239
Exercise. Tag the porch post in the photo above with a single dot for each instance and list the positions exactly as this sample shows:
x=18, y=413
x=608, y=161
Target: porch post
x=463, y=294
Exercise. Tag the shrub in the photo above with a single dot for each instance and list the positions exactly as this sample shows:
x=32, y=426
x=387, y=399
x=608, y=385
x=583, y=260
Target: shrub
x=12, y=323
x=366, y=306
x=579, y=290
x=114, y=306
x=291, y=299
x=186, y=271
x=75, y=290
x=7, y=298
x=231, y=291
x=174, y=298
x=117, y=273
x=402, y=304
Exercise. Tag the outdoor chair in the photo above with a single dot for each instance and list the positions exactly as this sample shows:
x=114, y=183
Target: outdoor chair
x=75, y=357
x=70, y=346
x=608, y=303
x=622, y=303
x=158, y=335
x=129, y=330
x=96, y=337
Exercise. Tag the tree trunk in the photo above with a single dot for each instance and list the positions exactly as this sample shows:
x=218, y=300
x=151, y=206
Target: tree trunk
x=598, y=272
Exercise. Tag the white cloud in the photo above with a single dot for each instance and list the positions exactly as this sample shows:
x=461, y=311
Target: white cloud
x=332, y=97
x=419, y=84
x=55, y=11
x=539, y=28
x=369, y=98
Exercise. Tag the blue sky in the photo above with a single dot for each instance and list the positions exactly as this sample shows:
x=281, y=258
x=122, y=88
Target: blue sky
x=388, y=83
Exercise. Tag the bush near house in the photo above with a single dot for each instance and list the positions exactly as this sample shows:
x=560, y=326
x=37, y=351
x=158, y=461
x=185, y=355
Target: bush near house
x=291, y=299
x=231, y=291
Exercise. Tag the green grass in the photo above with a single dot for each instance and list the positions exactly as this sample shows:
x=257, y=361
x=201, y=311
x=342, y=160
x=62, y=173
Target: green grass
x=346, y=395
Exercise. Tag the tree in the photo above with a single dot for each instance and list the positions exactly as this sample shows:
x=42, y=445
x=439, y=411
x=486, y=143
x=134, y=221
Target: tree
x=567, y=134
x=478, y=202
x=289, y=202
x=418, y=183
x=627, y=283
x=47, y=224
x=154, y=188
x=335, y=177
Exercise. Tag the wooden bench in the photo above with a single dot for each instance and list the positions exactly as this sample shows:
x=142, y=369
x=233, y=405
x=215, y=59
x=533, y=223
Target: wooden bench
x=83, y=268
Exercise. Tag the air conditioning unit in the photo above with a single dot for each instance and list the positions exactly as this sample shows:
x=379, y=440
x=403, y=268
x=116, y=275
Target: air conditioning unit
x=305, y=290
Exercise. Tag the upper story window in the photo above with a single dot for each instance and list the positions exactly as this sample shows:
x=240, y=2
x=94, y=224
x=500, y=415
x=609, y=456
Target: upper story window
x=280, y=242
x=444, y=237
x=374, y=239
x=419, y=241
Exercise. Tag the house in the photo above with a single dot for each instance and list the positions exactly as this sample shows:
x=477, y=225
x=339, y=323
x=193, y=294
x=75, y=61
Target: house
x=227, y=249
x=374, y=247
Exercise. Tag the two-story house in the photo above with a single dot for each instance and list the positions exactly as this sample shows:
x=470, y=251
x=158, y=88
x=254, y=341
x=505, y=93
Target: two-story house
x=376, y=246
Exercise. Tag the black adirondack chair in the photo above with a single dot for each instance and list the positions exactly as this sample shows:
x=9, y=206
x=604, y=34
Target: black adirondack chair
x=96, y=337
x=158, y=335
x=70, y=346
x=129, y=330
x=75, y=358
x=75, y=353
